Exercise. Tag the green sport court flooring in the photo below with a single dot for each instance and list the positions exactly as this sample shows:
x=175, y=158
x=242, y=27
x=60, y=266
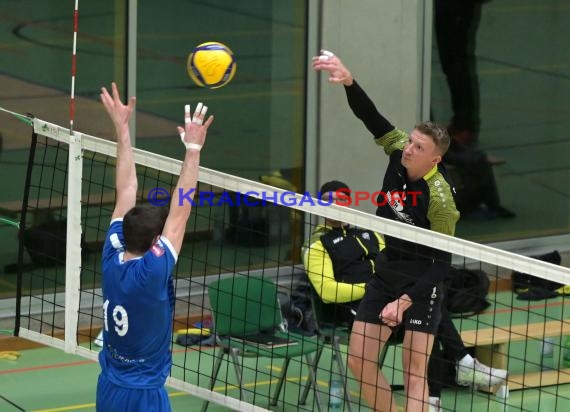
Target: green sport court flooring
x=47, y=379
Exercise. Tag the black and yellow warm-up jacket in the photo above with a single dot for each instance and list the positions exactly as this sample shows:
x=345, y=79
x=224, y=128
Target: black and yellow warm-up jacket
x=339, y=261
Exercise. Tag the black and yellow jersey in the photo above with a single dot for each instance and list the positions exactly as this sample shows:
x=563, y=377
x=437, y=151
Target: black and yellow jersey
x=427, y=203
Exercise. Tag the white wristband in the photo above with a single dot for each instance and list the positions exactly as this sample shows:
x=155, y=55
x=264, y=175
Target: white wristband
x=194, y=146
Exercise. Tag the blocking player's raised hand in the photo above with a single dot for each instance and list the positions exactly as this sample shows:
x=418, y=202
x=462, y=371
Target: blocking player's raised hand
x=193, y=135
x=338, y=73
x=118, y=112
x=125, y=177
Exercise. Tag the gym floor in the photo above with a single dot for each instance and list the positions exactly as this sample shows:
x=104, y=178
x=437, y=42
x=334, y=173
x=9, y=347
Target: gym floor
x=63, y=382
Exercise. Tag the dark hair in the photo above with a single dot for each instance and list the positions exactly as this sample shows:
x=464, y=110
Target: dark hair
x=334, y=186
x=141, y=225
x=438, y=134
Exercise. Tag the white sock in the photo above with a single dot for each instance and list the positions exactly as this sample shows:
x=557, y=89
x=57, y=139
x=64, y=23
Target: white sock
x=99, y=339
x=434, y=403
x=467, y=360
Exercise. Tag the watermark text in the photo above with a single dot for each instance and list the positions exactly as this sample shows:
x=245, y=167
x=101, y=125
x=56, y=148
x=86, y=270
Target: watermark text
x=343, y=197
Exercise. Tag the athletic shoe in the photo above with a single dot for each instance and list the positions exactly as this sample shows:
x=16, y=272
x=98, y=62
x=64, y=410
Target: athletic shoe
x=99, y=339
x=478, y=374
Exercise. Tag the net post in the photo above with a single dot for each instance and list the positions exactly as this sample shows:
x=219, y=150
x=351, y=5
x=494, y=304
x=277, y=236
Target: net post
x=73, y=242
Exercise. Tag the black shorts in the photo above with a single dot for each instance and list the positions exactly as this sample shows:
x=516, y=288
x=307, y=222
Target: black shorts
x=422, y=316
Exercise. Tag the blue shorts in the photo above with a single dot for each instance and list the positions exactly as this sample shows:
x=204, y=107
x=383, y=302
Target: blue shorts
x=113, y=398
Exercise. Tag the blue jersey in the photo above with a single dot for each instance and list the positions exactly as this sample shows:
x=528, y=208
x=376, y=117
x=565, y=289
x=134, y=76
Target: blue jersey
x=138, y=305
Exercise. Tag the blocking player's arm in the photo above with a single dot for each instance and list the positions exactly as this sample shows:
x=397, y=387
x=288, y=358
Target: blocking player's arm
x=126, y=177
x=319, y=268
x=193, y=136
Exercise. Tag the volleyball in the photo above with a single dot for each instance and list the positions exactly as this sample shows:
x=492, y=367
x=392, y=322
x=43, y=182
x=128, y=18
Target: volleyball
x=211, y=65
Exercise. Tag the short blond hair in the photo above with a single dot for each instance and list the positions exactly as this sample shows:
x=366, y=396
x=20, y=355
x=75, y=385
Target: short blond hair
x=438, y=134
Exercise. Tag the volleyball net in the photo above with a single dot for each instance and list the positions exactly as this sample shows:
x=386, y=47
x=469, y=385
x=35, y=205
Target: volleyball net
x=242, y=231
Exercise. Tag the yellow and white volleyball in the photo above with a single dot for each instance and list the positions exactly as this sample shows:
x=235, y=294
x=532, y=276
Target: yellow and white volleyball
x=211, y=65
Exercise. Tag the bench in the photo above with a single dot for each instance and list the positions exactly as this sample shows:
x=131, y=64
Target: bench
x=491, y=348
x=37, y=206
x=40, y=210
x=12, y=208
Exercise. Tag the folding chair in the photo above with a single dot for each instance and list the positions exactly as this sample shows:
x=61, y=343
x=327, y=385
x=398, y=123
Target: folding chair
x=244, y=306
x=335, y=330
x=334, y=333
